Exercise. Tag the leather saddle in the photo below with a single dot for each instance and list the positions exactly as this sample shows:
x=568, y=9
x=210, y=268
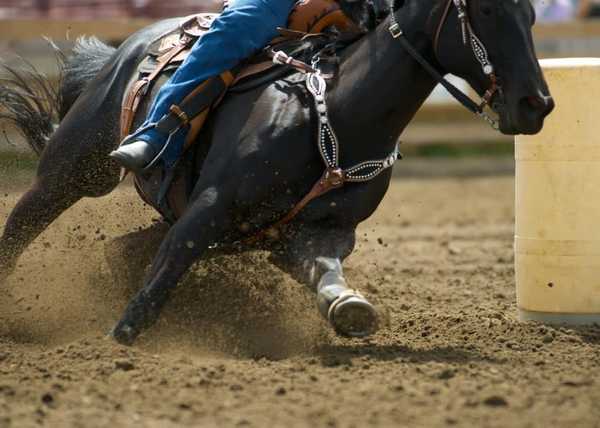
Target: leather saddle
x=169, y=51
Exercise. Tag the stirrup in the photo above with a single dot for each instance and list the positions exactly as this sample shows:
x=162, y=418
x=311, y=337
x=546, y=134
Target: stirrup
x=134, y=137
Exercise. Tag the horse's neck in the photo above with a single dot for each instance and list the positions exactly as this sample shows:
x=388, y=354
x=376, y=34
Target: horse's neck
x=380, y=89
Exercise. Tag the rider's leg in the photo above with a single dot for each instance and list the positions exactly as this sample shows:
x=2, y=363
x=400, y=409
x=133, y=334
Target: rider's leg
x=242, y=29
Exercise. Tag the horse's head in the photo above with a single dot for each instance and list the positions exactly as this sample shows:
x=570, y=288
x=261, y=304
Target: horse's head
x=503, y=28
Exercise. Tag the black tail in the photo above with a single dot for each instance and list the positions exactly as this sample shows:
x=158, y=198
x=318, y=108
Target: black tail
x=34, y=104
x=30, y=102
x=84, y=63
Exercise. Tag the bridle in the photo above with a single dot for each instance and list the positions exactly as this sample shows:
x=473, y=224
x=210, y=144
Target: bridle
x=469, y=37
x=477, y=46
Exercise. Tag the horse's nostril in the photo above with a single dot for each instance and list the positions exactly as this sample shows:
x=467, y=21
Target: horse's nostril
x=549, y=104
x=535, y=103
x=542, y=104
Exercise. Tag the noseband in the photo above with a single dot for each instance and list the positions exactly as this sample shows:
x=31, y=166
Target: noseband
x=469, y=37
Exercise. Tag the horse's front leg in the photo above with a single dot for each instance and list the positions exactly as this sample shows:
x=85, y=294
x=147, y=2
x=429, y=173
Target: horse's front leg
x=346, y=309
x=315, y=258
x=187, y=240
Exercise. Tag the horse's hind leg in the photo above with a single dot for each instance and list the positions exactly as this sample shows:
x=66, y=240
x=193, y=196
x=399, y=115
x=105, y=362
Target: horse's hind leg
x=37, y=208
x=73, y=166
x=315, y=258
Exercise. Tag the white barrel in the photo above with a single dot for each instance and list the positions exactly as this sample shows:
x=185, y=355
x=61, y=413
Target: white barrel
x=557, y=210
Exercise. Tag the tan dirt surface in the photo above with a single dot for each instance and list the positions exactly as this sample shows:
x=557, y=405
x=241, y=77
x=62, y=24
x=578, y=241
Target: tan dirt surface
x=241, y=344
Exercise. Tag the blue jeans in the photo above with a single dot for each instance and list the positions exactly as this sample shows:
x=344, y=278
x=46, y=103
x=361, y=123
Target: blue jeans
x=243, y=28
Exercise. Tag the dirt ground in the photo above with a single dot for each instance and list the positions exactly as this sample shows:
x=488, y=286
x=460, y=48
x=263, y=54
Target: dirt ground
x=242, y=344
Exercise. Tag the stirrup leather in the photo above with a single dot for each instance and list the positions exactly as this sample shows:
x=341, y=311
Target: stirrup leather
x=191, y=113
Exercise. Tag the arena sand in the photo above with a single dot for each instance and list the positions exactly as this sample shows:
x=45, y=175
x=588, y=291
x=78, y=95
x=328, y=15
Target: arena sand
x=241, y=344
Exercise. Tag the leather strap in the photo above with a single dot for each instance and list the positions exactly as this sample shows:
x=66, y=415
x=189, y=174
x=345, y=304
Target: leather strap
x=281, y=58
x=192, y=105
x=438, y=31
x=140, y=88
x=331, y=179
x=459, y=95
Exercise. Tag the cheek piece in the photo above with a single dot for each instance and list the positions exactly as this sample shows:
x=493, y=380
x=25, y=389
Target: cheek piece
x=469, y=38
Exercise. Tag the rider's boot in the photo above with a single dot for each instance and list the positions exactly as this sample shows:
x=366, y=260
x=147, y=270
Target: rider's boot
x=137, y=154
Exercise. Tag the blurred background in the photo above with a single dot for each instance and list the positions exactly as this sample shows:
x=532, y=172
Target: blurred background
x=441, y=129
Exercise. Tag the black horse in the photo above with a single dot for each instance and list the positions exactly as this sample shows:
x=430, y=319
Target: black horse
x=260, y=156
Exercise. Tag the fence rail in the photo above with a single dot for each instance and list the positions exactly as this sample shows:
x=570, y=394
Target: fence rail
x=94, y=9
x=23, y=20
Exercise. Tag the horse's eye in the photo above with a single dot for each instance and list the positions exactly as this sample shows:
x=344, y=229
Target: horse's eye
x=486, y=10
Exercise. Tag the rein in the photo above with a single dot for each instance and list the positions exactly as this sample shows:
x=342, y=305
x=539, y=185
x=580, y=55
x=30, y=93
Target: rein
x=479, y=52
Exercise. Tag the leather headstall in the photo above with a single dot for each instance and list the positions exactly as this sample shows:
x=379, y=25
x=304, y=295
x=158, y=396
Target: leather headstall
x=469, y=38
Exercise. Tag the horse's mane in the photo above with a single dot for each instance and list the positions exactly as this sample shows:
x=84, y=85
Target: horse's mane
x=365, y=13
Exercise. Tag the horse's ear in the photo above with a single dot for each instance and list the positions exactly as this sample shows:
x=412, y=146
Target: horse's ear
x=383, y=6
x=361, y=12
x=368, y=13
x=396, y=3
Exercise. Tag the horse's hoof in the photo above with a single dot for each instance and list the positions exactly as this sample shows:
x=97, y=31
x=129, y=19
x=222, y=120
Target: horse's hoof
x=123, y=334
x=353, y=316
